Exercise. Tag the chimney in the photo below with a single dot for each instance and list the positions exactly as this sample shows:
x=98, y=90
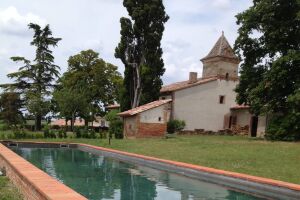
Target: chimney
x=193, y=77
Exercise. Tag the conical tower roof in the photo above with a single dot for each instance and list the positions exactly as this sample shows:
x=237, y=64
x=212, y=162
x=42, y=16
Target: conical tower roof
x=223, y=49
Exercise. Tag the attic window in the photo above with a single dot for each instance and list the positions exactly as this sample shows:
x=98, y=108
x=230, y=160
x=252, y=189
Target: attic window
x=222, y=99
x=163, y=98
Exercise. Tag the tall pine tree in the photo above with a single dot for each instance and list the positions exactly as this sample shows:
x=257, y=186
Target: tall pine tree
x=34, y=80
x=140, y=51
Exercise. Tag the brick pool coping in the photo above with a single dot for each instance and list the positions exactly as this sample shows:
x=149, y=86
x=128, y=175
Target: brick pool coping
x=255, y=179
x=32, y=182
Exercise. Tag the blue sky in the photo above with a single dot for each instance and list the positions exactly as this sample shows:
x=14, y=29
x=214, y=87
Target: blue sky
x=193, y=28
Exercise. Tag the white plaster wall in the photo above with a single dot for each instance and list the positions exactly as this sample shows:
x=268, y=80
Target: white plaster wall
x=261, y=126
x=199, y=106
x=243, y=117
x=130, y=122
x=152, y=115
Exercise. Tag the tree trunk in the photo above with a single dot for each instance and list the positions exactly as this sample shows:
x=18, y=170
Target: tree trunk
x=38, y=122
x=66, y=124
x=72, y=123
x=137, y=87
x=86, y=122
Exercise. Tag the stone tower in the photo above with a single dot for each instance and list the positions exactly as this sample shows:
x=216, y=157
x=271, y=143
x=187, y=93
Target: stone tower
x=221, y=60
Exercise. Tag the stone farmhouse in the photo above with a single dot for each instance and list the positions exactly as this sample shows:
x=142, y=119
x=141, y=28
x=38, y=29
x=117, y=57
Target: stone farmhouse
x=206, y=103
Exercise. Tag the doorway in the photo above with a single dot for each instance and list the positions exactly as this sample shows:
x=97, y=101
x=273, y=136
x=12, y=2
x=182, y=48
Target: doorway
x=254, y=123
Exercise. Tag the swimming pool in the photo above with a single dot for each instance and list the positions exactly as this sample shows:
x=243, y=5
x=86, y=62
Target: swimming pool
x=102, y=177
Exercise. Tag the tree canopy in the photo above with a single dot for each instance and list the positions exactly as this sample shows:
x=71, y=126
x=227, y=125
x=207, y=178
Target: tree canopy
x=95, y=82
x=269, y=43
x=35, y=80
x=140, y=51
x=10, y=108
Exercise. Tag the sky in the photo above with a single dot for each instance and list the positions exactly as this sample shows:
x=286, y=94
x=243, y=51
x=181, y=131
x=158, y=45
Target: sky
x=192, y=30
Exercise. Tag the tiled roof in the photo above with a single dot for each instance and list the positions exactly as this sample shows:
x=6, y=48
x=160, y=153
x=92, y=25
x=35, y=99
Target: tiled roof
x=222, y=48
x=237, y=107
x=78, y=122
x=113, y=106
x=186, y=84
x=145, y=107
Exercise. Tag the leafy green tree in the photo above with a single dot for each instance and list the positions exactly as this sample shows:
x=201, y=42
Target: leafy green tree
x=10, y=108
x=71, y=102
x=34, y=80
x=140, y=51
x=269, y=42
x=115, y=124
x=99, y=80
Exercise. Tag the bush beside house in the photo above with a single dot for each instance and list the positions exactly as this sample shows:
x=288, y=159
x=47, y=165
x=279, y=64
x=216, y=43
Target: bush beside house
x=174, y=126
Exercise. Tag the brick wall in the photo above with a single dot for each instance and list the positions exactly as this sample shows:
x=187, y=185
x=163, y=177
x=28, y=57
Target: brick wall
x=151, y=129
x=139, y=129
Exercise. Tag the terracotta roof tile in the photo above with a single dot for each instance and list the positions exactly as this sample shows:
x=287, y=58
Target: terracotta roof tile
x=237, y=107
x=186, y=84
x=145, y=107
x=113, y=106
x=222, y=48
x=78, y=122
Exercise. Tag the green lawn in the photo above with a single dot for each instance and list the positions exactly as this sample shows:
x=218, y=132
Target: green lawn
x=276, y=160
x=8, y=190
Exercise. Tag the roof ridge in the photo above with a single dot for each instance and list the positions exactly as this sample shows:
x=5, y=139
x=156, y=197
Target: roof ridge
x=186, y=84
x=144, y=107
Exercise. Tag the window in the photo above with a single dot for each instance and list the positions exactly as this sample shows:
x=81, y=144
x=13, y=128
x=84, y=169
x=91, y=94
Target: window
x=222, y=99
x=227, y=76
x=159, y=119
x=163, y=98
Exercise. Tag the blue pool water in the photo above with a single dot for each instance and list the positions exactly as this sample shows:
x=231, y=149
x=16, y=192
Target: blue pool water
x=102, y=178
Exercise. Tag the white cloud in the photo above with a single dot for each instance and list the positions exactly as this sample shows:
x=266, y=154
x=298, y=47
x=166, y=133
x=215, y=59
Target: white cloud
x=13, y=23
x=221, y=3
x=192, y=30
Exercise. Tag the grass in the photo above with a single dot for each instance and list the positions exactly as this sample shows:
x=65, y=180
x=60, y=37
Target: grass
x=8, y=190
x=276, y=160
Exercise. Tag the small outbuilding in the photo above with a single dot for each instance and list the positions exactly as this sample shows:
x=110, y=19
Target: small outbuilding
x=241, y=120
x=148, y=120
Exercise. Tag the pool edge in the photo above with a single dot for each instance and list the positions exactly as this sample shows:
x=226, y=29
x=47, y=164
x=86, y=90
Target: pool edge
x=262, y=186
x=33, y=183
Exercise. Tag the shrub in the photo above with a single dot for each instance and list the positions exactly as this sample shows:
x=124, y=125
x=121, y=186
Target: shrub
x=103, y=134
x=60, y=134
x=284, y=128
x=92, y=134
x=56, y=127
x=175, y=126
x=77, y=132
x=115, y=124
x=4, y=127
x=19, y=134
x=84, y=132
x=116, y=128
x=46, y=132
